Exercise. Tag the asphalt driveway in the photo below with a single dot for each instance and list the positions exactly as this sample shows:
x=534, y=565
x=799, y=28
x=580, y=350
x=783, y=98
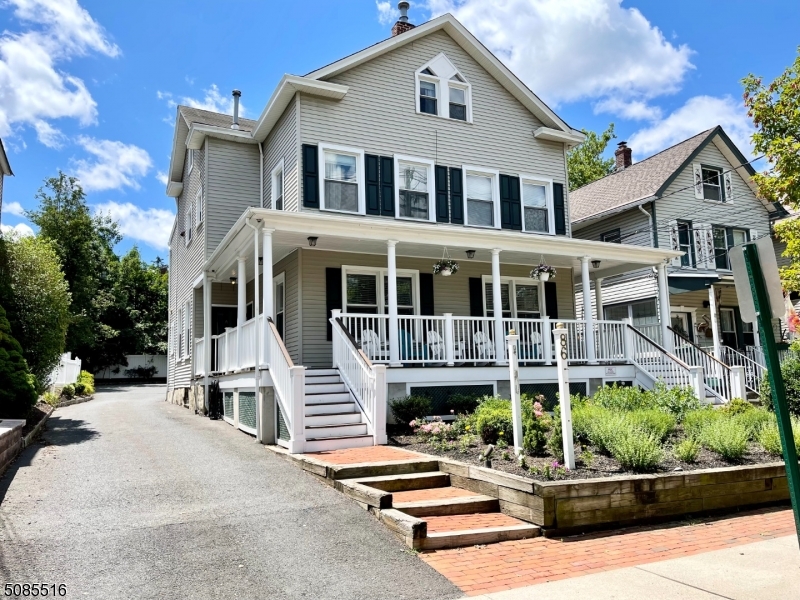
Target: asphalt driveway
x=127, y=496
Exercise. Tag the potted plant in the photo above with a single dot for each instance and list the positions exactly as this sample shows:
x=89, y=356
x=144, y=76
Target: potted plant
x=543, y=272
x=445, y=267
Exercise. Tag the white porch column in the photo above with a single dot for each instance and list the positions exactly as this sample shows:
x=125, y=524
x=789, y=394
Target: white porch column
x=259, y=335
x=598, y=298
x=715, y=329
x=586, y=284
x=391, y=275
x=664, y=309
x=269, y=301
x=241, y=306
x=497, y=307
x=207, y=343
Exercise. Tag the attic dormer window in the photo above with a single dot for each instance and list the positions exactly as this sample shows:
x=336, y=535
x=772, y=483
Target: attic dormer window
x=443, y=91
x=427, y=98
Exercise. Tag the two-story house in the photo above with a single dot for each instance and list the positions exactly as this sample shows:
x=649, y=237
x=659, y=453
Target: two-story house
x=696, y=197
x=302, y=258
x=5, y=171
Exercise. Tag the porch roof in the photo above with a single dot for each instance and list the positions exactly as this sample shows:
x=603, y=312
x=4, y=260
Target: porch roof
x=368, y=235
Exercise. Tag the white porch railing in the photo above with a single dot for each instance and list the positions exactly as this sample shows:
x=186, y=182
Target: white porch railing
x=199, y=356
x=609, y=339
x=366, y=381
x=719, y=380
x=651, y=330
x=754, y=371
x=660, y=365
x=288, y=382
x=247, y=348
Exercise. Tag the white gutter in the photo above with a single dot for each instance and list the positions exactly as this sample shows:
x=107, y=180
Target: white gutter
x=261, y=173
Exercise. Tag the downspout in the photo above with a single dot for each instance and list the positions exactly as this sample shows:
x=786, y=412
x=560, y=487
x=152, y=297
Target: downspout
x=256, y=299
x=653, y=243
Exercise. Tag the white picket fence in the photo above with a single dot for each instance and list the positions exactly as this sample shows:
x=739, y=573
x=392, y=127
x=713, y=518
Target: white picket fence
x=66, y=372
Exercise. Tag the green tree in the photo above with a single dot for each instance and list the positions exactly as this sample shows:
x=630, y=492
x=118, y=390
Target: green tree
x=85, y=245
x=17, y=391
x=585, y=162
x=39, y=306
x=775, y=110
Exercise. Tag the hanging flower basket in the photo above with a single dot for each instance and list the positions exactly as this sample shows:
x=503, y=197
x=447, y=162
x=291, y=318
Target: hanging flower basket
x=543, y=272
x=445, y=267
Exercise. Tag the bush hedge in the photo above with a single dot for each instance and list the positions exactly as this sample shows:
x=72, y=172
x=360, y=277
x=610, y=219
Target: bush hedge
x=410, y=408
x=17, y=384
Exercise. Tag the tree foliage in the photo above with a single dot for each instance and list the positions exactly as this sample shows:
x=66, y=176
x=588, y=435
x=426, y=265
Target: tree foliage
x=775, y=110
x=585, y=163
x=17, y=391
x=38, y=309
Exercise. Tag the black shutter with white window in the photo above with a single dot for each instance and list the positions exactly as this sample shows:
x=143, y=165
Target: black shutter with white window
x=373, y=183
x=442, y=204
x=475, y=297
x=510, y=205
x=310, y=176
x=387, y=186
x=551, y=299
x=559, y=209
x=456, y=196
x=426, y=306
x=333, y=295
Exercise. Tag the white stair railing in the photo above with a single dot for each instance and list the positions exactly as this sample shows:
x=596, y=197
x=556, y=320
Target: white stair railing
x=288, y=382
x=754, y=372
x=658, y=364
x=365, y=380
x=719, y=379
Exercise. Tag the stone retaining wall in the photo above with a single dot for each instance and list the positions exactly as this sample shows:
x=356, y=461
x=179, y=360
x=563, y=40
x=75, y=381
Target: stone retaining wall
x=10, y=441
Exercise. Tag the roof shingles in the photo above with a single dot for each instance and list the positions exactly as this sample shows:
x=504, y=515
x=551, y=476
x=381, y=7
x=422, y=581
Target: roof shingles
x=206, y=117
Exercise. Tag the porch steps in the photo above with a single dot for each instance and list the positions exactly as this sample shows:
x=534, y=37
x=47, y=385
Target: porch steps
x=333, y=421
x=429, y=513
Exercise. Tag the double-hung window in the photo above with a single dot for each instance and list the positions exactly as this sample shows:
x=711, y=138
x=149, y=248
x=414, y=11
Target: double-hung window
x=458, y=102
x=482, y=195
x=413, y=184
x=342, y=185
x=612, y=237
x=277, y=186
x=198, y=211
x=361, y=293
x=712, y=184
x=724, y=240
x=519, y=298
x=536, y=206
x=364, y=293
x=685, y=243
x=428, y=102
x=442, y=91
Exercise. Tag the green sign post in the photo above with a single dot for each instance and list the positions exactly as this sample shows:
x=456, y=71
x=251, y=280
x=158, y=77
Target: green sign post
x=763, y=311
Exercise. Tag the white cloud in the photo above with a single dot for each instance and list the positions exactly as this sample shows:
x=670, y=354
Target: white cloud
x=212, y=100
x=697, y=114
x=34, y=88
x=162, y=177
x=387, y=13
x=116, y=165
x=568, y=50
x=634, y=110
x=149, y=225
x=14, y=208
x=20, y=229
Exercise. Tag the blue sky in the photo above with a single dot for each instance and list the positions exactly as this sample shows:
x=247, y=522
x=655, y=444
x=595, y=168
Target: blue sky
x=90, y=87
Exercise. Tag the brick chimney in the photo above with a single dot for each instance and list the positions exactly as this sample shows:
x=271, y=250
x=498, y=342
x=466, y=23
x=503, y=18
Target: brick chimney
x=623, y=156
x=402, y=24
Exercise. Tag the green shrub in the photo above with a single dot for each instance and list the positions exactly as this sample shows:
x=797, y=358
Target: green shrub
x=737, y=406
x=676, y=401
x=461, y=404
x=604, y=429
x=636, y=449
x=493, y=420
x=68, y=391
x=687, y=450
x=555, y=441
x=622, y=398
x=535, y=426
x=769, y=436
x=50, y=398
x=17, y=384
x=695, y=421
x=753, y=420
x=87, y=379
x=80, y=389
x=725, y=436
x=790, y=369
x=653, y=421
x=410, y=408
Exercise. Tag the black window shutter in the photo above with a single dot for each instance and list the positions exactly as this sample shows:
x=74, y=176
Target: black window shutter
x=559, y=209
x=310, y=176
x=551, y=299
x=333, y=295
x=387, y=186
x=373, y=184
x=475, y=297
x=510, y=205
x=442, y=208
x=426, y=294
x=457, y=198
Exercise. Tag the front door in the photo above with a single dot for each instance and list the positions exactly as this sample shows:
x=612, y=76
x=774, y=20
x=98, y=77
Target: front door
x=680, y=323
x=221, y=317
x=727, y=326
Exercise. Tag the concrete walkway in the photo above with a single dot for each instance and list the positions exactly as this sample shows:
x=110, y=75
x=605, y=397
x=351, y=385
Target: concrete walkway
x=131, y=497
x=769, y=569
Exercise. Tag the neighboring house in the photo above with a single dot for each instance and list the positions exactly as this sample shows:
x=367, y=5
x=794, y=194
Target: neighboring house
x=696, y=197
x=327, y=214
x=5, y=170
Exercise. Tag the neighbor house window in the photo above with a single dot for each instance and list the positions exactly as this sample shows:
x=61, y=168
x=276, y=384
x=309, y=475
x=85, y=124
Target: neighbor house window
x=277, y=186
x=342, y=182
x=481, y=197
x=685, y=245
x=724, y=240
x=712, y=184
x=427, y=98
x=536, y=207
x=613, y=237
x=198, y=211
x=458, y=103
x=414, y=179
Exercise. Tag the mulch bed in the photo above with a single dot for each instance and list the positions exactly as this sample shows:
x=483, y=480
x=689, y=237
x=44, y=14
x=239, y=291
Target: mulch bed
x=601, y=466
x=36, y=414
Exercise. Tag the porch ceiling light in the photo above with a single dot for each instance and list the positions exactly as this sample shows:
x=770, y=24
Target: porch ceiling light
x=312, y=240
x=595, y=264
x=233, y=280
x=470, y=253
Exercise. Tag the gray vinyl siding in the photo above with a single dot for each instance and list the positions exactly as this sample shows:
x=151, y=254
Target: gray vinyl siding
x=780, y=248
x=623, y=289
x=678, y=201
x=291, y=319
x=282, y=143
x=186, y=263
x=232, y=186
x=635, y=228
x=378, y=115
x=451, y=294
x=223, y=294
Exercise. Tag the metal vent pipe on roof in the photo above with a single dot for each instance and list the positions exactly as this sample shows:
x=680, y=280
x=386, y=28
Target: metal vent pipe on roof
x=403, y=8
x=236, y=95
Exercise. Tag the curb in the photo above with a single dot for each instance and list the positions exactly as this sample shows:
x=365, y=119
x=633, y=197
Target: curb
x=28, y=439
x=79, y=400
